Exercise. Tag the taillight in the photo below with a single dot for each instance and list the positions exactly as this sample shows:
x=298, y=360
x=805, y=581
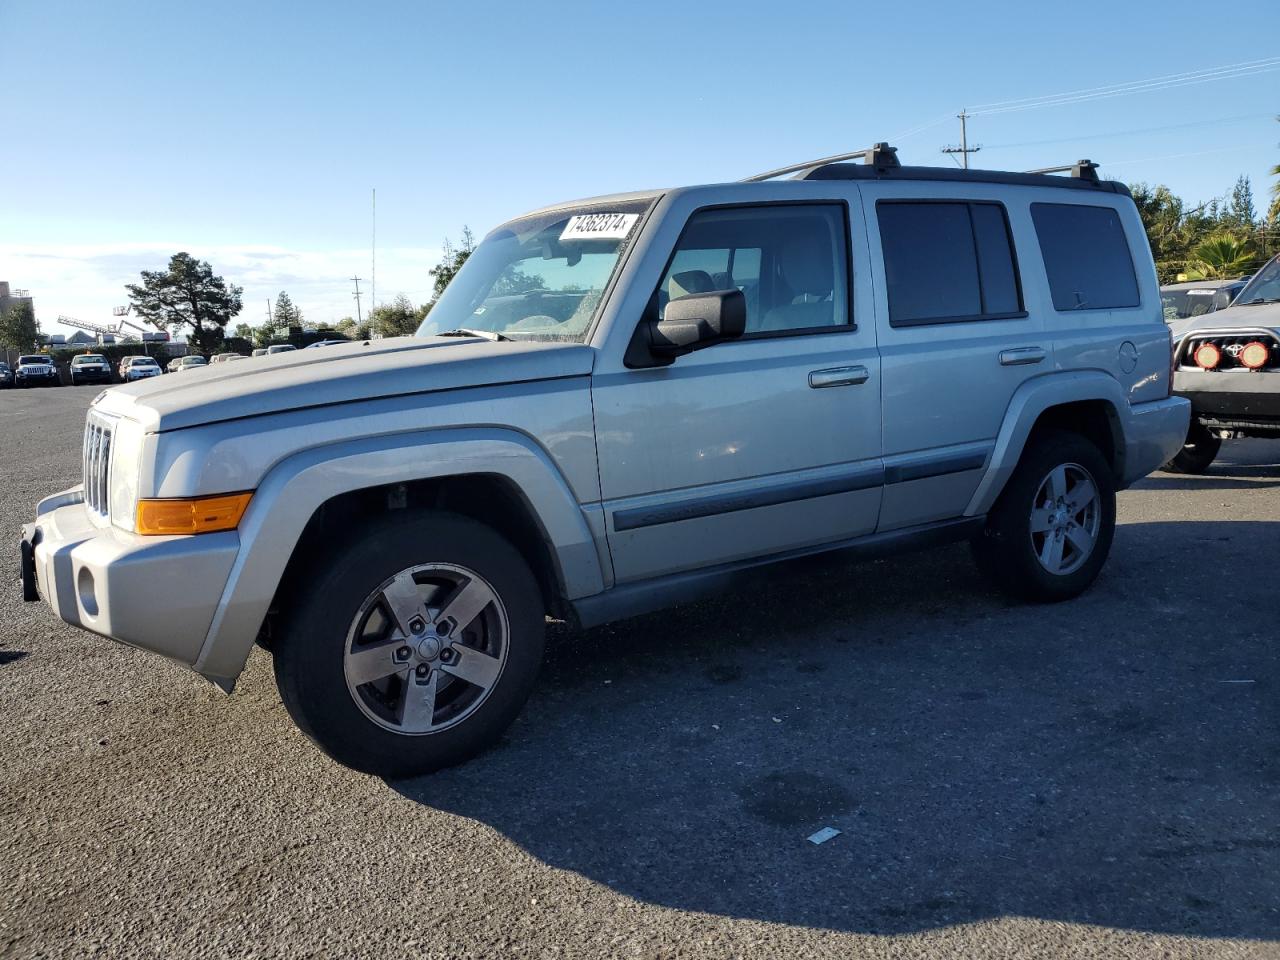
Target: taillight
x=1208, y=356
x=1254, y=355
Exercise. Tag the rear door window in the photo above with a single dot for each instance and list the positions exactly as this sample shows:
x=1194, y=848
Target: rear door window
x=947, y=261
x=1086, y=257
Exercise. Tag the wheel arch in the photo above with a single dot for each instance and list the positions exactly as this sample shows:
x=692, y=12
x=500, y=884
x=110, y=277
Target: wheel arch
x=1090, y=403
x=317, y=497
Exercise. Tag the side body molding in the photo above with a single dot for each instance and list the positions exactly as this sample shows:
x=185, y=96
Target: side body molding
x=296, y=487
x=1029, y=401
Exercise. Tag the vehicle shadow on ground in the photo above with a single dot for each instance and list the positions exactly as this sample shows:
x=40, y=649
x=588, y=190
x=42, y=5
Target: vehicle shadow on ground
x=1109, y=761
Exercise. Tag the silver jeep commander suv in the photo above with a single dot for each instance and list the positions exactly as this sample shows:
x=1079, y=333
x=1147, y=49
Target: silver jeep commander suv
x=618, y=404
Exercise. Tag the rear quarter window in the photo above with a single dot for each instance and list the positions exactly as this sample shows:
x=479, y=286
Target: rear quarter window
x=1086, y=257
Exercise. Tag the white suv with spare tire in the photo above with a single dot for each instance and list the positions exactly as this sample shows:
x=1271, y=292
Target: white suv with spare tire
x=617, y=405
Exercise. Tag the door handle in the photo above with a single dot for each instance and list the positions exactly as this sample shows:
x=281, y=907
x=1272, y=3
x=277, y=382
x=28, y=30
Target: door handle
x=1021, y=355
x=838, y=377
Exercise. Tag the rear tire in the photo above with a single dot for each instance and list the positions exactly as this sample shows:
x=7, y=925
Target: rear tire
x=1196, y=455
x=1050, y=531
x=414, y=647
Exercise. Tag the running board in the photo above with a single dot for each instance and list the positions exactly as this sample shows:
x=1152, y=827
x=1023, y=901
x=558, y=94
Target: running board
x=647, y=596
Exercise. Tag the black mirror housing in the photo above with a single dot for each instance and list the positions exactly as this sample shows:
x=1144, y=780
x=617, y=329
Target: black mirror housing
x=697, y=321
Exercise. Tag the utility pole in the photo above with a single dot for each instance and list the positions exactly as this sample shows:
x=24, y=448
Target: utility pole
x=359, y=316
x=964, y=149
x=373, y=295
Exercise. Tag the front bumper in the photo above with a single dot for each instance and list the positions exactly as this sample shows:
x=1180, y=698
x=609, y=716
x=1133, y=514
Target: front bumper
x=156, y=593
x=1233, y=398
x=92, y=376
x=28, y=379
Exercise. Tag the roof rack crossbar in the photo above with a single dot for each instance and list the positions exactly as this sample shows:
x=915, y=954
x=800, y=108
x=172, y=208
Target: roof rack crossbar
x=1081, y=170
x=880, y=155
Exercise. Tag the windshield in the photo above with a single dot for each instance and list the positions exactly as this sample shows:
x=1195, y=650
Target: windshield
x=142, y=362
x=33, y=359
x=1180, y=304
x=539, y=278
x=1264, y=286
x=89, y=358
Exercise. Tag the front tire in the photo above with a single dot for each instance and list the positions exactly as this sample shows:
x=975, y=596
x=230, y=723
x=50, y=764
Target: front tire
x=1050, y=531
x=1200, y=450
x=415, y=649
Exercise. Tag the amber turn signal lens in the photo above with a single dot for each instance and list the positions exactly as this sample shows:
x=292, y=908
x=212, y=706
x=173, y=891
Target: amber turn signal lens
x=1208, y=356
x=1254, y=355
x=194, y=515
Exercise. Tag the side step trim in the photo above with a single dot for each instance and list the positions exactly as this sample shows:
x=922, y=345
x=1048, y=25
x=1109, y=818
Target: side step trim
x=646, y=596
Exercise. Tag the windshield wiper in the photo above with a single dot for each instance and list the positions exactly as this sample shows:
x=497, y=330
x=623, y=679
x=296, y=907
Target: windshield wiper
x=467, y=332
x=1245, y=303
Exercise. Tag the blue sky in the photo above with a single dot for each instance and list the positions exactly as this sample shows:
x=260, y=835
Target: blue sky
x=252, y=133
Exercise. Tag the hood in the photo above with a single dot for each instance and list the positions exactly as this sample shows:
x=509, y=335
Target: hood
x=1266, y=315
x=338, y=374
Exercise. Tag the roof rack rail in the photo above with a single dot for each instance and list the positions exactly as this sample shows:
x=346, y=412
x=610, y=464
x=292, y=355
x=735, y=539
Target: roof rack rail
x=880, y=155
x=1081, y=170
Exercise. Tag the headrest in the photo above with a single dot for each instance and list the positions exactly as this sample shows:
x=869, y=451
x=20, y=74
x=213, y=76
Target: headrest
x=690, y=281
x=805, y=262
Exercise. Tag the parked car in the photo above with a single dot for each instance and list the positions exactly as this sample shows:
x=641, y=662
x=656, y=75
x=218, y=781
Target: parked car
x=89, y=368
x=223, y=357
x=695, y=385
x=36, y=370
x=325, y=343
x=189, y=362
x=259, y=352
x=1197, y=297
x=6, y=375
x=280, y=348
x=1228, y=366
x=139, y=368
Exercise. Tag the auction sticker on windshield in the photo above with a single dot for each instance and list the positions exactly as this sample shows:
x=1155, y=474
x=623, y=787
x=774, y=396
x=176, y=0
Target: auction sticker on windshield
x=599, y=226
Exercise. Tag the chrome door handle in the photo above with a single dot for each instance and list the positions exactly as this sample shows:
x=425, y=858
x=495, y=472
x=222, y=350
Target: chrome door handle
x=838, y=377
x=1021, y=355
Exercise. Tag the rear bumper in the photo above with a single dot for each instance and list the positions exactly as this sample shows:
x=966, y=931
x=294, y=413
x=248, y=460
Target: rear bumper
x=156, y=593
x=1153, y=433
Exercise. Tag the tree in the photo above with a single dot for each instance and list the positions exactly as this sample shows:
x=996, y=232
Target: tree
x=286, y=315
x=399, y=318
x=1240, y=212
x=1275, y=172
x=187, y=296
x=352, y=330
x=244, y=331
x=18, y=327
x=452, y=261
x=1223, y=257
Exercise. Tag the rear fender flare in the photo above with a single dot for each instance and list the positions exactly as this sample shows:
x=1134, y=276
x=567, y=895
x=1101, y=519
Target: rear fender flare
x=1031, y=400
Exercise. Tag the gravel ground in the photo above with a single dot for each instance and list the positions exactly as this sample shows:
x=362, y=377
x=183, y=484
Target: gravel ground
x=1097, y=778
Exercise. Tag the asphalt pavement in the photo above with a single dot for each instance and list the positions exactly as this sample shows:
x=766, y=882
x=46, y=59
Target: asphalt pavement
x=1094, y=778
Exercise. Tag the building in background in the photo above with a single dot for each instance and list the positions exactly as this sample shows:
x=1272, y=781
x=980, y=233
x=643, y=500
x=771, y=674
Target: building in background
x=11, y=298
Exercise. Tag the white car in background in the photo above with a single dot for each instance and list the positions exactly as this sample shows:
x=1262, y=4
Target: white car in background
x=139, y=368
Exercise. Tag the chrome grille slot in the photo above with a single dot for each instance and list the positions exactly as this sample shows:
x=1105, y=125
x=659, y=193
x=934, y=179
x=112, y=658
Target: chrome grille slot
x=97, y=465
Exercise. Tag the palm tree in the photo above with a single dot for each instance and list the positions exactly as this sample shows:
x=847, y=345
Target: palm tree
x=1222, y=257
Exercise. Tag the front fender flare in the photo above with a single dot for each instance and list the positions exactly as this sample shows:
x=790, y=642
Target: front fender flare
x=297, y=486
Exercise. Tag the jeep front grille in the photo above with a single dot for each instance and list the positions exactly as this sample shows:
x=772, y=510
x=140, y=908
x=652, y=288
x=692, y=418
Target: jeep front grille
x=1230, y=344
x=97, y=465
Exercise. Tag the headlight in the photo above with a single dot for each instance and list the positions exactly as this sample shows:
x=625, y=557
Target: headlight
x=126, y=460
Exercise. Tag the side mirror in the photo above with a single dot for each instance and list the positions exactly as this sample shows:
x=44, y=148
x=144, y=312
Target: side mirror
x=697, y=321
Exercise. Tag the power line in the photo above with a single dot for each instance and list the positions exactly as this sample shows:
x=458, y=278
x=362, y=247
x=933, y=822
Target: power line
x=1126, y=133
x=1228, y=72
